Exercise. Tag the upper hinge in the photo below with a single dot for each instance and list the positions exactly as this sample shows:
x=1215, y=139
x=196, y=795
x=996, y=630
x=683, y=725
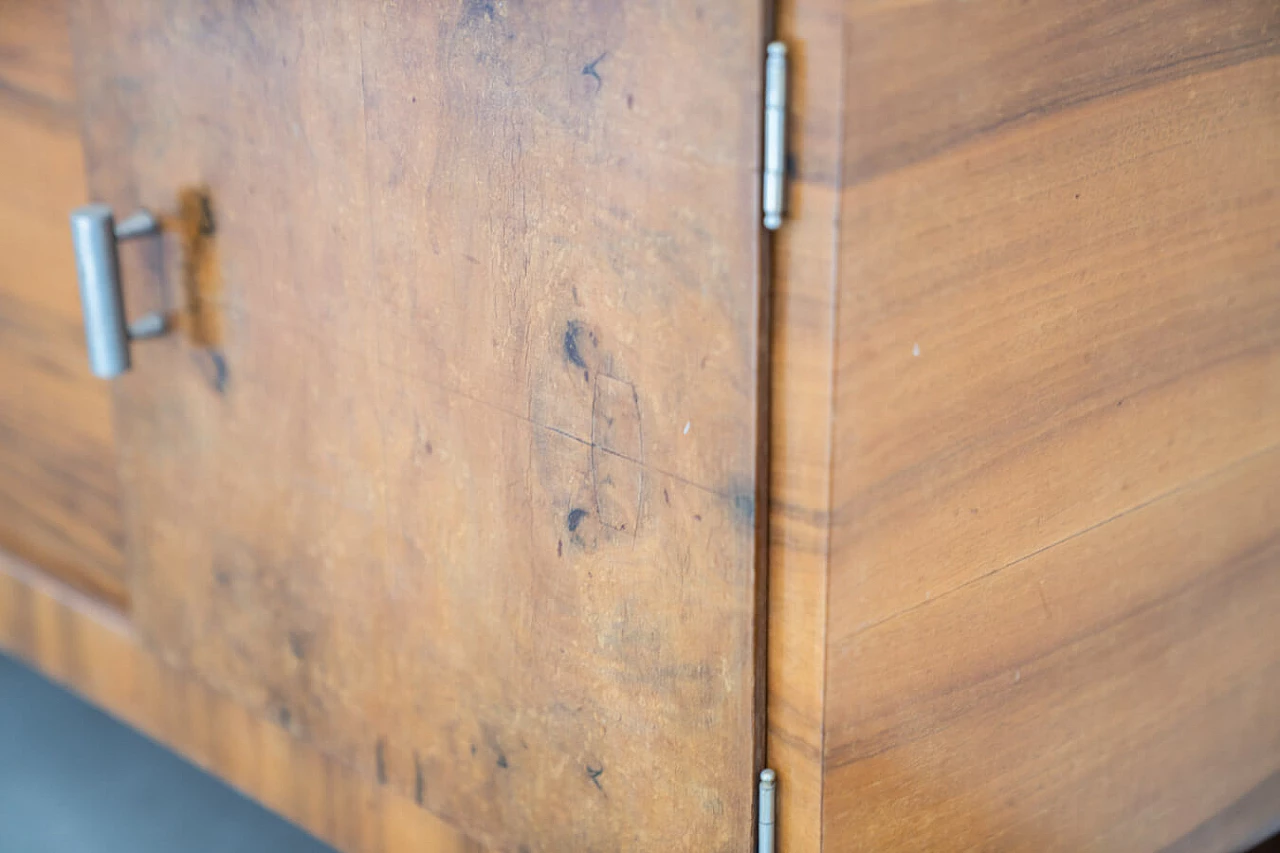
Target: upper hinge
x=773, y=190
x=766, y=811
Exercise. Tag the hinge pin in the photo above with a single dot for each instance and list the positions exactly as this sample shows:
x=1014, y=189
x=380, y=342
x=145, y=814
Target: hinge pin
x=775, y=132
x=767, y=811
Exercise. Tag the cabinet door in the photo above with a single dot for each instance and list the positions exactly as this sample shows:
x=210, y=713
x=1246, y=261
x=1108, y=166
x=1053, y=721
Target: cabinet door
x=450, y=463
x=59, y=496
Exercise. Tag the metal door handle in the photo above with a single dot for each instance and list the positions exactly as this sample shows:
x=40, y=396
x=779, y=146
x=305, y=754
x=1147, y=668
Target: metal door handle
x=94, y=233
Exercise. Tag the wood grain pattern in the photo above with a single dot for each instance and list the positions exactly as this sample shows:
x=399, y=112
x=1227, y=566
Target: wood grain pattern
x=59, y=493
x=1122, y=689
x=1054, y=565
x=94, y=651
x=464, y=495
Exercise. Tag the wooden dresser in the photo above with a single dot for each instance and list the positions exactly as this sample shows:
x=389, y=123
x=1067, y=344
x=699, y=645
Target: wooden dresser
x=499, y=483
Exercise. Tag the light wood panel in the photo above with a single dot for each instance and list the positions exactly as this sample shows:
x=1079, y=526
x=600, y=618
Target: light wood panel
x=1054, y=567
x=462, y=489
x=93, y=650
x=59, y=494
x=1109, y=693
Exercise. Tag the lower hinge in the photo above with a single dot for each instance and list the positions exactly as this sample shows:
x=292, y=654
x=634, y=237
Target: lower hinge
x=766, y=811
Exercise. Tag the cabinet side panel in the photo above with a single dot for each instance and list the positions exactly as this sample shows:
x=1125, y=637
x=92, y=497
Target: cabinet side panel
x=1054, y=566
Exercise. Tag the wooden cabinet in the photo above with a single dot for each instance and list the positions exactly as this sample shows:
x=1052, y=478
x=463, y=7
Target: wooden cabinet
x=500, y=484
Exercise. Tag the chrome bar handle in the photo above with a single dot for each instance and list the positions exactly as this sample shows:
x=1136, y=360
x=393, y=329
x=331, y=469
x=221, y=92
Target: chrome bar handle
x=94, y=234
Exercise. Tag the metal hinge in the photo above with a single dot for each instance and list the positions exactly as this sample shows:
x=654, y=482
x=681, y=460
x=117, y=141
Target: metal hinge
x=766, y=811
x=772, y=192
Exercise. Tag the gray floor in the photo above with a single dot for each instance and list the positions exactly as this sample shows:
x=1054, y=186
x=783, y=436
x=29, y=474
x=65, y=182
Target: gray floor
x=73, y=780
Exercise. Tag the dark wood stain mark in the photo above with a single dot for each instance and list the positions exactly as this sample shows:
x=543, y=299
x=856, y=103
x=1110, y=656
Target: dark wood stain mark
x=419, y=781
x=745, y=507
x=201, y=274
x=284, y=716
x=212, y=367
x=220, y=374
x=491, y=741
x=206, y=226
x=298, y=645
x=559, y=547
x=594, y=773
x=380, y=760
x=575, y=518
x=571, y=349
x=589, y=70
x=429, y=448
